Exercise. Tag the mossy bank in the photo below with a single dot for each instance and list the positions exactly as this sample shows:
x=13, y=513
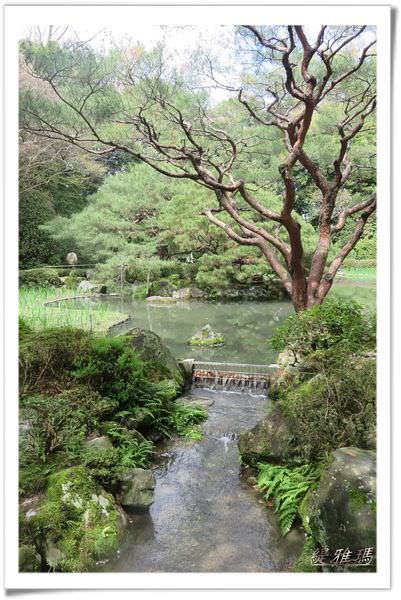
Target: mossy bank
x=91, y=411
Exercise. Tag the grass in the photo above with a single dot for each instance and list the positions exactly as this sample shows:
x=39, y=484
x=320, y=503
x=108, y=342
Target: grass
x=362, y=273
x=96, y=317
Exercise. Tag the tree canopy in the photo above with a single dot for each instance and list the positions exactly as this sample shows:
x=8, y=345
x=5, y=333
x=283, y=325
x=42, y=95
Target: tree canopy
x=294, y=136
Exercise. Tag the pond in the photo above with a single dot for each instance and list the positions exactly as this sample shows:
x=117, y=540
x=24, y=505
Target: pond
x=246, y=326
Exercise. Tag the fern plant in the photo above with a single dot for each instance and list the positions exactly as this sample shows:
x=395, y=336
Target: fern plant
x=287, y=487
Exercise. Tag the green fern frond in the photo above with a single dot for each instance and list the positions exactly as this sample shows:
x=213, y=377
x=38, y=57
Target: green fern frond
x=288, y=487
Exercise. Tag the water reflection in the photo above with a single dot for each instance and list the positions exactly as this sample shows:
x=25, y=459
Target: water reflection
x=246, y=326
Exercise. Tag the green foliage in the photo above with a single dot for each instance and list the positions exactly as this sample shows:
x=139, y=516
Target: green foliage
x=332, y=403
x=114, y=369
x=320, y=332
x=57, y=423
x=153, y=227
x=73, y=386
x=39, y=277
x=333, y=409
x=48, y=358
x=183, y=418
x=287, y=486
x=35, y=245
x=106, y=465
x=366, y=248
x=54, y=179
x=366, y=263
x=23, y=328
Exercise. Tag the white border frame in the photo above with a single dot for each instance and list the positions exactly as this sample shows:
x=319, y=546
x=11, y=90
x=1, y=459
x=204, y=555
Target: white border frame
x=17, y=15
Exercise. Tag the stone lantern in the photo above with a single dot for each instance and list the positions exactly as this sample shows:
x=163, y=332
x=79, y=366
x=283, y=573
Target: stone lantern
x=72, y=258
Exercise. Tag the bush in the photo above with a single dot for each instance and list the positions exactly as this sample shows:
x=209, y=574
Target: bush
x=360, y=263
x=114, y=369
x=332, y=403
x=333, y=409
x=40, y=277
x=319, y=333
x=47, y=359
x=72, y=272
x=54, y=429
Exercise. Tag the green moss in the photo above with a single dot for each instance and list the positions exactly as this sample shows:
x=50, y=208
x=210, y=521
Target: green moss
x=304, y=562
x=357, y=500
x=78, y=522
x=216, y=341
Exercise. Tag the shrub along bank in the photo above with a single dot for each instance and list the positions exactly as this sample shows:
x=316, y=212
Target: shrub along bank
x=321, y=429
x=91, y=409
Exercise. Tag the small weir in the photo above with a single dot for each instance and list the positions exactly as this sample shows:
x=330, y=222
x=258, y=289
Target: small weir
x=230, y=376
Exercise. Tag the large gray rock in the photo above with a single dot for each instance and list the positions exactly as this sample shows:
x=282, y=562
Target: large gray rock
x=86, y=286
x=188, y=293
x=137, y=489
x=269, y=440
x=341, y=511
x=152, y=349
x=206, y=337
x=187, y=365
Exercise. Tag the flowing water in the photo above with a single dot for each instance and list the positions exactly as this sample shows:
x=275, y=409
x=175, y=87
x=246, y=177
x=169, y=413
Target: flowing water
x=205, y=517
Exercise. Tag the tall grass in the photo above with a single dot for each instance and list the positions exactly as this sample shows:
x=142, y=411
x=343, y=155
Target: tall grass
x=90, y=315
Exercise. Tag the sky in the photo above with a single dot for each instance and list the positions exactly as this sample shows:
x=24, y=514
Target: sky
x=181, y=41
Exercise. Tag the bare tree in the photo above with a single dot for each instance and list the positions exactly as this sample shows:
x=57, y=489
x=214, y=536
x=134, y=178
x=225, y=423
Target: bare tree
x=151, y=122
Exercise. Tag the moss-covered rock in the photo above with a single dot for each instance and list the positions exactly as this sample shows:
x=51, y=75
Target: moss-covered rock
x=188, y=293
x=341, y=511
x=206, y=337
x=137, y=489
x=29, y=559
x=77, y=523
x=270, y=440
x=151, y=349
x=304, y=563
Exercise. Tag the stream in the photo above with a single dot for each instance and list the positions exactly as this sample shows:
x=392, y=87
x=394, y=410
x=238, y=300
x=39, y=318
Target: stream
x=205, y=516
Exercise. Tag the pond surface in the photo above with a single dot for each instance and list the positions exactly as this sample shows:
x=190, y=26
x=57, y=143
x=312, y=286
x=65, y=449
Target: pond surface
x=246, y=326
x=205, y=517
